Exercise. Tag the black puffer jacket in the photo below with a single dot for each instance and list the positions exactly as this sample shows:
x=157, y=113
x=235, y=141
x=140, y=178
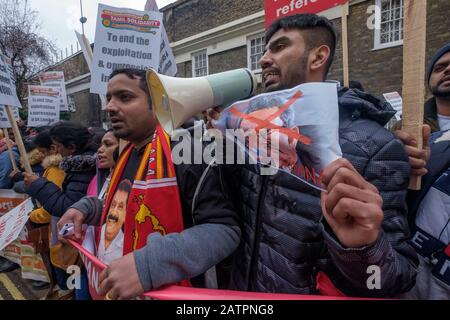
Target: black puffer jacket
x=285, y=241
x=79, y=169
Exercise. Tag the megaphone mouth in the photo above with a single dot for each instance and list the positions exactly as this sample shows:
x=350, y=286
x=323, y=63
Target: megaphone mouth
x=176, y=100
x=160, y=100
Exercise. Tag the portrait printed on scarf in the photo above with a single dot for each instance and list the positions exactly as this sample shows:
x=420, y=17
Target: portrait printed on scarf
x=112, y=234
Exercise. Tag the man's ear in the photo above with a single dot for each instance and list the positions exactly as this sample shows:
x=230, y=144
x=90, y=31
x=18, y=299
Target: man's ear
x=319, y=58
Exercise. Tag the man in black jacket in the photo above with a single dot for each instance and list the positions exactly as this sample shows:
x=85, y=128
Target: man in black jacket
x=286, y=244
x=211, y=230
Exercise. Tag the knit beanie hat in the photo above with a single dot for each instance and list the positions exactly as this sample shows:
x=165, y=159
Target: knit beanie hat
x=435, y=58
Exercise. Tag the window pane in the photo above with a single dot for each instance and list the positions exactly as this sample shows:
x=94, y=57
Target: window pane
x=200, y=64
x=255, y=52
x=391, y=21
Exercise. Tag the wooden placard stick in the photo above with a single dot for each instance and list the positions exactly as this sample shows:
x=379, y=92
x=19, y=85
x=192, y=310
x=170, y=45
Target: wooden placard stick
x=345, y=9
x=18, y=139
x=89, y=56
x=414, y=45
x=10, y=152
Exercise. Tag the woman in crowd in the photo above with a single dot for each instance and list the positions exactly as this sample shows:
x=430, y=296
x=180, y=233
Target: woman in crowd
x=40, y=216
x=107, y=154
x=74, y=143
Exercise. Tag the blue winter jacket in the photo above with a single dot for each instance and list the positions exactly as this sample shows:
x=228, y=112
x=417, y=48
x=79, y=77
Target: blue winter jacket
x=6, y=168
x=79, y=169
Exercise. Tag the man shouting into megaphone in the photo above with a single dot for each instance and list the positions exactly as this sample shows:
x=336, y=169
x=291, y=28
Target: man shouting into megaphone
x=163, y=238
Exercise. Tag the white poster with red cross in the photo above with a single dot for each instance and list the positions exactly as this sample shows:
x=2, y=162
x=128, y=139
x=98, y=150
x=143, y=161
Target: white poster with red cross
x=276, y=9
x=12, y=223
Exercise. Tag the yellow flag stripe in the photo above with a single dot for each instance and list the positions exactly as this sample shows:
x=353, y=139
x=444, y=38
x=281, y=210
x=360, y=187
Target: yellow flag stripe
x=171, y=174
x=159, y=157
x=117, y=167
x=12, y=289
x=140, y=173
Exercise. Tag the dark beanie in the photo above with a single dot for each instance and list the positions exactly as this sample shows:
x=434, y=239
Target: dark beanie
x=435, y=58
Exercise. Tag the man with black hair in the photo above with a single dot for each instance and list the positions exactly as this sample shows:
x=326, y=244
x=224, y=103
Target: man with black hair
x=287, y=245
x=166, y=238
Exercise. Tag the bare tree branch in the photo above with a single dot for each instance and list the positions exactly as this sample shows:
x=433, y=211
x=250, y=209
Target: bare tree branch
x=21, y=41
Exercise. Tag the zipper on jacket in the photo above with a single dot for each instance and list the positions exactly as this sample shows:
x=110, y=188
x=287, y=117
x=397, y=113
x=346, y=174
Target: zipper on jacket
x=259, y=218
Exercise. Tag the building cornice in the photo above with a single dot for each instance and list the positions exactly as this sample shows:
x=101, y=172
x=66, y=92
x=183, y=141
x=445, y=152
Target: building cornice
x=242, y=26
x=232, y=35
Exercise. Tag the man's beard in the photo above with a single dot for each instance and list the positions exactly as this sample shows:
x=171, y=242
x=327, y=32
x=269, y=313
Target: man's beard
x=299, y=76
x=441, y=92
x=121, y=133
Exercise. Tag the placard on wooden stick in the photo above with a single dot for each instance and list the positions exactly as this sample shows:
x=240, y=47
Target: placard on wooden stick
x=18, y=138
x=414, y=45
x=88, y=56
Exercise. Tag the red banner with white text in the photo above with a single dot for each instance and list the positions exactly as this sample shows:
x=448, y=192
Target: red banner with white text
x=275, y=9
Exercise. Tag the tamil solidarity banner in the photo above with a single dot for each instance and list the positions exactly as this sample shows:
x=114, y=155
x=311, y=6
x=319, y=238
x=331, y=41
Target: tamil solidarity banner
x=294, y=130
x=124, y=38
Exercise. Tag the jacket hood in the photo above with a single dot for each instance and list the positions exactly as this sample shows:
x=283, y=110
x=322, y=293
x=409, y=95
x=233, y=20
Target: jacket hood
x=52, y=160
x=431, y=109
x=430, y=114
x=366, y=105
x=34, y=157
x=79, y=163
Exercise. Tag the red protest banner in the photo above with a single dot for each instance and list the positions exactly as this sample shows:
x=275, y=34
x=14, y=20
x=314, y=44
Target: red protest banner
x=275, y=9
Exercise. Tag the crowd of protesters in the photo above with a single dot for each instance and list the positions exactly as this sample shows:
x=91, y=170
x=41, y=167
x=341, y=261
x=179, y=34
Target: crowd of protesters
x=65, y=164
x=268, y=234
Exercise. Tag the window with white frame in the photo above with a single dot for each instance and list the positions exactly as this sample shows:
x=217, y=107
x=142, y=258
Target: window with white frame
x=255, y=50
x=200, y=64
x=390, y=31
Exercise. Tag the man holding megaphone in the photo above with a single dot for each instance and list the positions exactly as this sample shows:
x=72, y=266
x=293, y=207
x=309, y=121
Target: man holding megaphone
x=286, y=245
x=164, y=239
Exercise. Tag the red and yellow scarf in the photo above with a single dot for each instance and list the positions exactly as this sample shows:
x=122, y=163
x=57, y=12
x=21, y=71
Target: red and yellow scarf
x=154, y=201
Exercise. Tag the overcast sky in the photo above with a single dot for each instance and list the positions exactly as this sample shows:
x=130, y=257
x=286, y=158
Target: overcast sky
x=61, y=17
